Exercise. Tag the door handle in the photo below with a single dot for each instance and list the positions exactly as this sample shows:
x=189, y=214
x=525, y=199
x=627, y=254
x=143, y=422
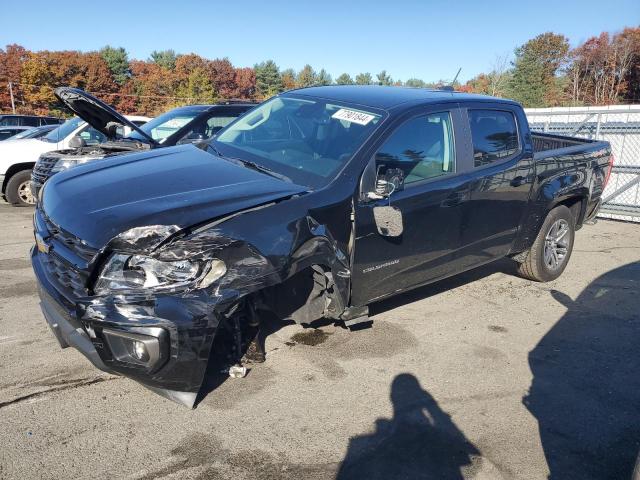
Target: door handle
x=519, y=180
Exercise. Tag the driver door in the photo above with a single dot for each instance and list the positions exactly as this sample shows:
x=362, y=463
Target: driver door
x=429, y=206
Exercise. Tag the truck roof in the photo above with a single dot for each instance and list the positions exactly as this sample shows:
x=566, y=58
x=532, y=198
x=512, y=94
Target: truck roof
x=386, y=97
x=224, y=103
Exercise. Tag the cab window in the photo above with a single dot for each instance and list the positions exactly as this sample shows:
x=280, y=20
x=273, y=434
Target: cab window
x=92, y=136
x=494, y=134
x=422, y=148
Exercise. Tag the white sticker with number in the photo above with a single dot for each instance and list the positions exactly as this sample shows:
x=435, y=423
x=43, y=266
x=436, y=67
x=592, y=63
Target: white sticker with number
x=353, y=116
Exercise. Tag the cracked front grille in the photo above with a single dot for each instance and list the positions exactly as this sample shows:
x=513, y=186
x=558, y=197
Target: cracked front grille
x=71, y=281
x=42, y=169
x=72, y=242
x=66, y=263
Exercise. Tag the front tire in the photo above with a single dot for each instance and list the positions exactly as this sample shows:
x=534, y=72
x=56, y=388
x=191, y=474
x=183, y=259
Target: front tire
x=549, y=255
x=18, y=190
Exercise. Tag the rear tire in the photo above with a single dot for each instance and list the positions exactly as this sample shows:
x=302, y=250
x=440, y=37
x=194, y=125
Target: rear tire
x=18, y=190
x=549, y=255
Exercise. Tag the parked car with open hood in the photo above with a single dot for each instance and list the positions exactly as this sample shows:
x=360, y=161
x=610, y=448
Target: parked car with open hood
x=313, y=205
x=18, y=158
x=181, y=125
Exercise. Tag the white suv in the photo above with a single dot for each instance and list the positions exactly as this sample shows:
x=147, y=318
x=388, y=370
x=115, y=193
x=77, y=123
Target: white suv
x=17, y=157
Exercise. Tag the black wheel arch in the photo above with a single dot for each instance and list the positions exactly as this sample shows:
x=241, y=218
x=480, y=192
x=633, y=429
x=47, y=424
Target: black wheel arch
x=13, y=169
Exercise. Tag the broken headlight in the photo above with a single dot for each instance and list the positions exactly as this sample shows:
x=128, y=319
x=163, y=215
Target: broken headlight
x=138, y=272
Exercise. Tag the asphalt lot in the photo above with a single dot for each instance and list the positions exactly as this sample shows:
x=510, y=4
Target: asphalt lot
x=483, y=376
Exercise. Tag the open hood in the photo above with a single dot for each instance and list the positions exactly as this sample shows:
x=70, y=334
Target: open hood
x=95, y=112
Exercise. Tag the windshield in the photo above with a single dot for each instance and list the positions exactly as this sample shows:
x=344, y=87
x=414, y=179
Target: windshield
x=308, y=141
x=26, y=133
x=162, y=127
x=64, y=130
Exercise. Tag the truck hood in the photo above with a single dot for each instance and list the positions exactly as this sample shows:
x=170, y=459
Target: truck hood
x=177, y=186
x=95, y=112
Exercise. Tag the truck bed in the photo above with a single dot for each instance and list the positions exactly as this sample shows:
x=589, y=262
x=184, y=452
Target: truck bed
x=547, y=145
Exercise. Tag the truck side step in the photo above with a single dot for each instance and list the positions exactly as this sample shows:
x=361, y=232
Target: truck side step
x=358, y=322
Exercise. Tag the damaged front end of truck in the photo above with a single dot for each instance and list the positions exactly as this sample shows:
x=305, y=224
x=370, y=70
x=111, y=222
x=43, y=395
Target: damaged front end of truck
x=150, y=304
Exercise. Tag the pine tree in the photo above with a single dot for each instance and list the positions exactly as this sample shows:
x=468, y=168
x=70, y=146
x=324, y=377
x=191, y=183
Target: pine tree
x=324, y=78
x=164, y=58
x=268, y=79
x=344, y=79
x=307, y=77
x=384, y=79
x=364, y=79
x=118, y=62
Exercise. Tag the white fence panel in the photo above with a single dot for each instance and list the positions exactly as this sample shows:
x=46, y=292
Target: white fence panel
x=617, y=124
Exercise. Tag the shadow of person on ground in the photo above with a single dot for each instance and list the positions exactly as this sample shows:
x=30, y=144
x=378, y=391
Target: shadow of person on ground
x=585, y=391
x=419, y=442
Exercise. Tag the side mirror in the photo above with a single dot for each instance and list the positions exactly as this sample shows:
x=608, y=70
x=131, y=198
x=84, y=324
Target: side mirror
x=112, y=130
x=192, y=138
x=77, y=142
x=388, y=220
x=392, y=180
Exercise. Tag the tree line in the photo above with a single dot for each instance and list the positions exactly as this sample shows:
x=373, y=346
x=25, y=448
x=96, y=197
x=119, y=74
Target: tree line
x=543, y=72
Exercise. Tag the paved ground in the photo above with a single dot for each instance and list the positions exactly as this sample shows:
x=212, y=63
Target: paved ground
x=483, y=376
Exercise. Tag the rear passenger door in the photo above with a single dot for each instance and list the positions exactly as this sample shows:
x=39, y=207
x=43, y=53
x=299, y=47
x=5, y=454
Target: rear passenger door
x=501, y=172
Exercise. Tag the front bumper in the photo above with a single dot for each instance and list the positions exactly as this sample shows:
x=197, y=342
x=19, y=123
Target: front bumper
x=185, y=326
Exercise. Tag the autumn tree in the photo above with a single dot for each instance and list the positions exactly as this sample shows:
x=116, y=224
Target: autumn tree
x=223, y=77
x=537, y=63
x=602, y=68
x=632, y=76
x=11, y=60
x=288, y=78
x=196, y=88
x=245, y=83
x=153, y=87
x=118, y=62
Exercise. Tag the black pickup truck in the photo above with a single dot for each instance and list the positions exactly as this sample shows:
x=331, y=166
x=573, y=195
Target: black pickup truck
x=313, y=205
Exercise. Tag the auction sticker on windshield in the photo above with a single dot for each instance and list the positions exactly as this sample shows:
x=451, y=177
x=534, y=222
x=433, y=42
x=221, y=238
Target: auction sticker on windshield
x=353, y=116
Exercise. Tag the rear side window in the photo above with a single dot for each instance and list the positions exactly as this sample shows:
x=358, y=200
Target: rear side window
x=422, y=147
x=9, y=121
x=494, y=134
x=30, y=121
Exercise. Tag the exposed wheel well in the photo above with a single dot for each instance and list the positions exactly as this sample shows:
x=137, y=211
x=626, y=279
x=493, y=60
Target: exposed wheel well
x=576, y=205
x=307, y=295
x=13, y=169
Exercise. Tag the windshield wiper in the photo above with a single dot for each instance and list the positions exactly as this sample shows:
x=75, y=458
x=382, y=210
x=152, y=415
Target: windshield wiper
x=263, y=169
x=251, y=165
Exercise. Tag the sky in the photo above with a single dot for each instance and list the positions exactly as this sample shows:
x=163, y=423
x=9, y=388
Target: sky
x=408, y=38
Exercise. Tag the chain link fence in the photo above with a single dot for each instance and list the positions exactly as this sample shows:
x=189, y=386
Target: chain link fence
x=620, y=126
